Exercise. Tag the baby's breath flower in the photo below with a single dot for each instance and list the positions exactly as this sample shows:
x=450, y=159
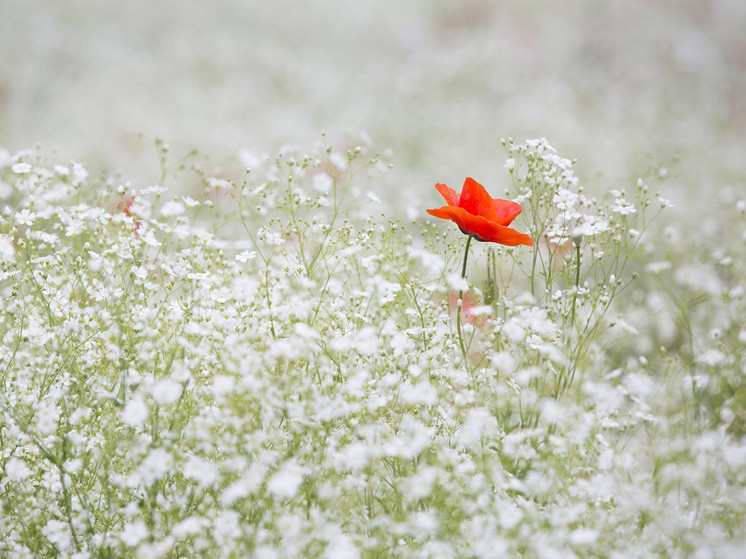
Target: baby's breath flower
x=286, y=481
x=21, y=168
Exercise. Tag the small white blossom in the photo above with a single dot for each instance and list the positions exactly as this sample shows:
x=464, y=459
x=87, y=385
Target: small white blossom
x=79, y=173
x=565, y=200
x=373, y=197
x=58, y=533
x=190, y=526
x=341, y=546
x=172, y=208
x=47, y=416
x=456, y=282
x=711, y=358
x=218, y=183
x=156, y=465
x=286, y=481
x=21, y=168
x=133, y=533
x=200, y=470
x=135, y=412
x=623, y=207
x=166, y=391
x=322, y=182
x=478, y=425
x=7, y=250
x=245, y=256
x=16, y=469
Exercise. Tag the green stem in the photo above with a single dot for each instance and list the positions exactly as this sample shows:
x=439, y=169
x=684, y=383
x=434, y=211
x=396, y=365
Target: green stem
x=459, y=304
x=577, y=283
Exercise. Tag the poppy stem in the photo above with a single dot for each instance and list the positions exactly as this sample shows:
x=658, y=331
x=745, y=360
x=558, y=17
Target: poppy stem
x=459, y=304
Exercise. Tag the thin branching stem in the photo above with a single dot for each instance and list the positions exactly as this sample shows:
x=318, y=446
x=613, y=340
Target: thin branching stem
x=459, y=304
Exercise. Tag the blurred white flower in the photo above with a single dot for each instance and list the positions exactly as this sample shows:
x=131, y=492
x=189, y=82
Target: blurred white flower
x=166, y=391
x=7, y=250
x=623, y=207
x=156, y=465
x=16, y=469
x=58, y=532
x=172, y=208
x=286, y=481
x=21, y=168
x=322, y=182
x=133, y=533
x=202, y=471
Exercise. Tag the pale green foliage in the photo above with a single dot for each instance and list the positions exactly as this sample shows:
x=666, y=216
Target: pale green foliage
x=273, y=370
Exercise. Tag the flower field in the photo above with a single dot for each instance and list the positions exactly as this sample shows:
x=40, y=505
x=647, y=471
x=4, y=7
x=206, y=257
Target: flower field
x=229, y=349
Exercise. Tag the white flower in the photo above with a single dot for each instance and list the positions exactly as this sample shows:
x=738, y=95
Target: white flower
x=286, y=481
x=420, y=393
x=223, y=384
x=172, y=208
x=510, y=164
x=514, y=330
x=155, y=466
x=364, y=341
x=47, y=416
x=711, y=358
x=133, y=533
x=456, y=282
x=79, y=173
x=166, y=391
x=245, y=256
x=25, y=217
x=341, y=546
x=666, y=203
x=565, y=200
x=338, y=160
x=503, y=361
x=16, y=469
x=205, y=473
x=354, y=456
x=622, y=207
x=322, y=182
x=189, y=526
x=373, y=197
x=7, y=250
x=73, y=465
x=421, y=483
x=135, y=412
x=479, y=424
x=21, y=168
x=58, y=533
x=583, y=536
x=244, y=486
x=658, y=267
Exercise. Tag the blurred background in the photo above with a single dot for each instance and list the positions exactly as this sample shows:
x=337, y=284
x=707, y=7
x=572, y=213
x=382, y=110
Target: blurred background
x=623, y=87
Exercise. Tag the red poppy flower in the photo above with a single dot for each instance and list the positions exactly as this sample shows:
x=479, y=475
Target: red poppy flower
x=479, y=215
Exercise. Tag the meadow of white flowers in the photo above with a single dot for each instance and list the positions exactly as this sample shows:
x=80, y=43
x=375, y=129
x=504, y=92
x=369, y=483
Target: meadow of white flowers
x=257, y=343
x=270, y=368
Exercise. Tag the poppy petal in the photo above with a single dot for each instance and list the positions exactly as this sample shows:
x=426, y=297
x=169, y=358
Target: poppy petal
x=475, y=200
x=448, y=193
x=482, y=228
x=506, y=211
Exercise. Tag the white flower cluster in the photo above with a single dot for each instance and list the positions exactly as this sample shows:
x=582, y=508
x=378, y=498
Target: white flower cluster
x=262, y=369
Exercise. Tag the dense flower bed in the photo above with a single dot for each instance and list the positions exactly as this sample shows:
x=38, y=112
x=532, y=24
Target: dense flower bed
x=273, y=368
